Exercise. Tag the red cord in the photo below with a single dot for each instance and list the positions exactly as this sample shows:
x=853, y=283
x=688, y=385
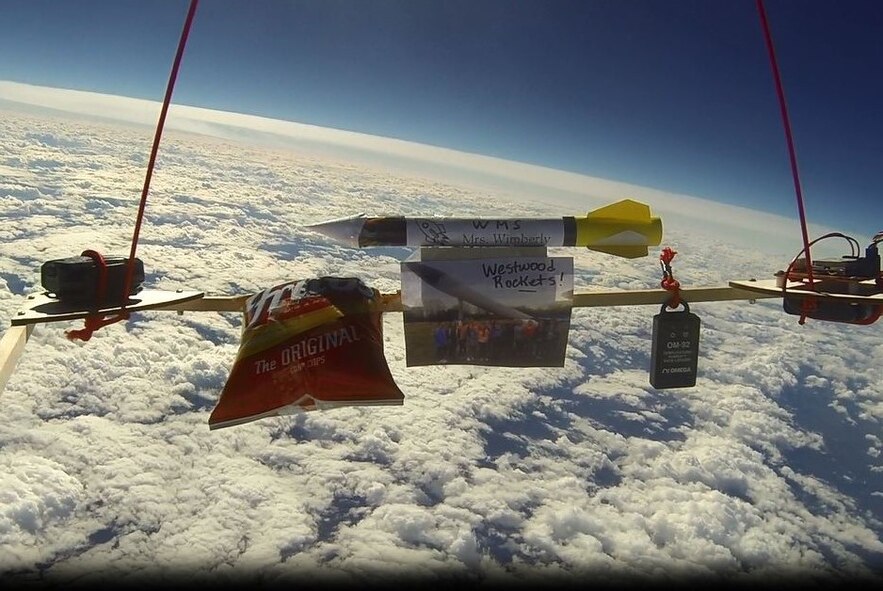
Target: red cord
x=783, y=107
x=669, y=283
x=96, y=321
x=173, y=76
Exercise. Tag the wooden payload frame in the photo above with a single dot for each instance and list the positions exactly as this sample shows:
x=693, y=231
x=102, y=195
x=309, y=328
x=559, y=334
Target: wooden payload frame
x=13, y=342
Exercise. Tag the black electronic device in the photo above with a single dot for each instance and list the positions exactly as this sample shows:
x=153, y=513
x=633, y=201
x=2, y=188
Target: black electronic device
x=674, y=356
x=77, y=279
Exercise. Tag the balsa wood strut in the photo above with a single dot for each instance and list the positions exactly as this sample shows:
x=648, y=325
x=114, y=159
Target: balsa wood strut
x=13, y=342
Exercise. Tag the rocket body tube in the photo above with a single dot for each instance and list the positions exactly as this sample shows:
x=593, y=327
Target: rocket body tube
x=624, y=228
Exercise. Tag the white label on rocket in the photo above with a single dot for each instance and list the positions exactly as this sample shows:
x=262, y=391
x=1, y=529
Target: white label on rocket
x=484, y=232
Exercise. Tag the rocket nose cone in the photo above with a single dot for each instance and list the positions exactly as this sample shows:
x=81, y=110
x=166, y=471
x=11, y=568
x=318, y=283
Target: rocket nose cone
x=343, y=230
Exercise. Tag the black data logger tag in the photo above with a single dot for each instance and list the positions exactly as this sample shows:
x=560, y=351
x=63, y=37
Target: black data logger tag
x=675, y=354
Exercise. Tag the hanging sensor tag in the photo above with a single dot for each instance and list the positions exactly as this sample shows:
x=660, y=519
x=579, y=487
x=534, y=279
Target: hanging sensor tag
x=675, y=354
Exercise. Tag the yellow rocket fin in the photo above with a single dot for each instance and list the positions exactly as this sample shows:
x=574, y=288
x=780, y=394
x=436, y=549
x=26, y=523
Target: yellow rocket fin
x=624, y=229
x=626, y=210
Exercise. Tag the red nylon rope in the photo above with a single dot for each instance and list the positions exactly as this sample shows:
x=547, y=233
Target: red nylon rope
x=130, y=268
x=669, y=283
x=97, y=321
x=783, y=107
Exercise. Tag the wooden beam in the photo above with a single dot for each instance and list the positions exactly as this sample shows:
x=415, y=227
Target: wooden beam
x=392, y=302
x=13, y=342
x=643, y=297
x=209, y=304
x=12, y=345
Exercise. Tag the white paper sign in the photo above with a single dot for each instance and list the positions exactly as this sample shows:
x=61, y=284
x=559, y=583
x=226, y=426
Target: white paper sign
x=507, y=311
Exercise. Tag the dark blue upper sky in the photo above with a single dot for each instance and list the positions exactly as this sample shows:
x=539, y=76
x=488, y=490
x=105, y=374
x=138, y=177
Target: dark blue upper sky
x=671, y=94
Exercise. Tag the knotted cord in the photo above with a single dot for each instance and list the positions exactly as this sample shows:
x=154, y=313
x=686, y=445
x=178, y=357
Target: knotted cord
x=669, y=283
x=96, y=321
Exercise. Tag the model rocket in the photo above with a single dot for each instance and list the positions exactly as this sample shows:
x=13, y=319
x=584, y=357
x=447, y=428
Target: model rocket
x=624, y=228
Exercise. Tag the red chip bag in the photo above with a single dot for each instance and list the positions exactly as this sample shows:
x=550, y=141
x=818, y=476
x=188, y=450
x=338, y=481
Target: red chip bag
x=315, y=343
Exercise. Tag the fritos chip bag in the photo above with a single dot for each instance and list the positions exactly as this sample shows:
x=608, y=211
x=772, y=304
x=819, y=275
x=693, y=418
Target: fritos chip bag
x=314, y=343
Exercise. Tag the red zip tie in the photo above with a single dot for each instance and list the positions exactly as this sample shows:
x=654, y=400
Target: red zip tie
x=669, y=283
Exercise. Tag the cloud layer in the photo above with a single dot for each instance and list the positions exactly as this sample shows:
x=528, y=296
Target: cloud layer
x=768, y=469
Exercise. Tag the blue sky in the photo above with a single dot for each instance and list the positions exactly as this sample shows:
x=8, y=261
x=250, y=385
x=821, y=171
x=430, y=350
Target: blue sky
x=674, y=95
